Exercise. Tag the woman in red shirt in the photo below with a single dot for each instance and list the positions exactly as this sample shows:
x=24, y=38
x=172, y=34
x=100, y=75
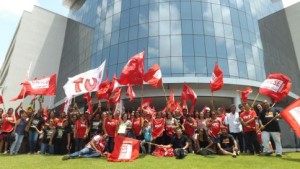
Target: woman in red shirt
x=81, y=130
x=137, y=125
x=8, y=123
x=110, y=128
x=213, y=129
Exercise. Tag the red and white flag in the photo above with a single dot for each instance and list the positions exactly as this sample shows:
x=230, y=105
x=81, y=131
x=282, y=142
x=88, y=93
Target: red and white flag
x=216, y=81
x=188, y=93
x=130, y=92
x=23, y=93
x=1, y=96
x=116, y=96
x=103, y=90
x=277, y=86
x=146, y=102
x=66, y=105
x=291, y=115
x=125, y=150
x=153, y=76
x=245, y=93
x=84, y=82
x=133, y=71
x=45, y=86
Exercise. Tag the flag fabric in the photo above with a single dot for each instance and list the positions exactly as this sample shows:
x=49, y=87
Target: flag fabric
x=171, y=97
x=133, y=71
x=125, y=150
x=88, y=98
x=114, y=83
x=277, y=86
x=157, y=127
x=216, y=81
x=23, y=93
x=84, y=82
x=153, y=76
x=146, y=102
x=1, y=96
x=103, y=90
x=291, y=115
x=245, y=93
x=66, y=104
x=130, y=92
x=163, y=152
x=116, y=96
x=41, y=86
x=188, y=93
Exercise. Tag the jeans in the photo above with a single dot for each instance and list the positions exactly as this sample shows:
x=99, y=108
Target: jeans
x=266, y=139
x=240, y=139
x=44, y=148
x=143, y=147
x=14, y=148
x=252, y=142
x=110, y=144
x=32, y=140
x=86, y=153
x=79, y=144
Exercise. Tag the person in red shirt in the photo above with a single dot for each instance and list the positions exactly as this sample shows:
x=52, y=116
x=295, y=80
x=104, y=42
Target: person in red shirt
x=213, y=129
x=110, y=128
x=137, y=125
x=247, y=119
x=190, y=125
x=81, y=130
x=8, y=123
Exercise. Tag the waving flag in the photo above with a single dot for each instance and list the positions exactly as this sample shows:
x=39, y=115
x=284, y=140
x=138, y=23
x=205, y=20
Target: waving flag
x=130, y=92
x=245, y=93
x=216, y=81
x=103, y=90
x=116, y=96
x=66, y=104
x=188, y=93
x=291, y=115
x=153, y=76
x=1, y=96
x=171, y=97
x=88, y=98
x=277, y=86
x=84, y=82
x=41, y=86
x=23, y=93
x=146, y=102
x=133, y=71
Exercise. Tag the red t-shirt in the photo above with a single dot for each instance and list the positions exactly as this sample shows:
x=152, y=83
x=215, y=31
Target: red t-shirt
x=59, y=122
x=137, y=125
x=6, y=125
x=189, y=130
x=81, y=128
x=100, y=143
x=246, y=116
x=214, y=129
x=110, y=127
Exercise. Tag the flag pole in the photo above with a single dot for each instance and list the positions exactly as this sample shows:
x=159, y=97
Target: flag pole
x=272, y=118
x=212, y=100
x=24, y=94
x=142, y=95
x=164, y=90
x=255, y=100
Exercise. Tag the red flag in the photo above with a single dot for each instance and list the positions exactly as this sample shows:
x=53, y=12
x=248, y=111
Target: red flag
x=291, y=115
x=116, y=96
x=216, y=81
x=103, y=90
x=23, y=93
x=157, y=127
x=113, y=84
x=245, y=93
x=66, y=105
x=133, y=71
x=153, y=76
x=1, y=97
x=188, y=93
x=88, y=98
x=171, y=97
x=146, y=102
x=130, y=92
x=41, y=86
x=277, y=86
x=125, y=149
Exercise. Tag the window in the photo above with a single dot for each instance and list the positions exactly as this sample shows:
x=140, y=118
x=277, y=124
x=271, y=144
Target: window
x=164, y=13
x=153, y=12
x=223, y=63
x=216, y=10
x=123, y=50
x=134, y=16
x=113, y=58
x=207, y=14
x=124, y=19
x=175, y=10
x=251, y=71
x=143, y=30
x=196, y=11
x=228, y=31
x=176, y=46
x=240, y=54
x=114, y=38
x=186, y=10
x=123, y=35
x=177, y=64
x=164, y=27
x=221, y=48
x=226, y=15
x=198, y=27
x=199, y=45
x=209, y=28
x=175, y=27
x=153, y=29
x=219, y=30
x=144, y=14
x=165, y=64
x=189, y=65
x=237, y=33
x=132, y=48
x=248, y=53
x=245, y=35
x=211, y=62
x=187, y=45
x=142, y=45
x=234, y=17
x=233, y=68
x=116, y=22
x=210, y=46
x=133, y=32
x=200, y=65
x=230, y=48
x=187, y=27
x=243, y=70
x=164, y=46
x=153, y=47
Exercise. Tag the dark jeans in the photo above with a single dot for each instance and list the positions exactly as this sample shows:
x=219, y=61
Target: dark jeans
x=240, y=139
x=252, y=142
x=79, y=144
x=110, y=144
x=32, y=140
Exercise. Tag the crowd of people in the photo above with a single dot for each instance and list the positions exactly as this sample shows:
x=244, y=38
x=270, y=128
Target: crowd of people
x=250, y=130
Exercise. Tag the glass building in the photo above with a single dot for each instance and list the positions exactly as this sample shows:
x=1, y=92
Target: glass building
x=185, y=37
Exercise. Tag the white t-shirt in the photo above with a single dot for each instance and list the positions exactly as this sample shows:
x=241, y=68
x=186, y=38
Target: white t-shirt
x=233, y=121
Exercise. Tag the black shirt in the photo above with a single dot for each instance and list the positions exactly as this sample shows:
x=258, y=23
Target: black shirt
x=38, y=122
x=266, y=116
x=226, y=141
x=179, y=142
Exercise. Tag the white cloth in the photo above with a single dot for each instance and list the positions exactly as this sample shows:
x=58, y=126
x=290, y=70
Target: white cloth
x=233, y=121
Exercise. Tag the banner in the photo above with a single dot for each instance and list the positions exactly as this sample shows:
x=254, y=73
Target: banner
x=41, y=86
x=157, y=127
x=291, y=115
x=84, y=82
x=125, y=150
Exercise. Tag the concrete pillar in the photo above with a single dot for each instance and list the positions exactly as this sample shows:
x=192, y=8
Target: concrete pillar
x=237, y=99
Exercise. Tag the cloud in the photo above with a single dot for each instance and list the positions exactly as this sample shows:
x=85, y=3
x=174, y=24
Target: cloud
x=287, y=3
x=16, y=7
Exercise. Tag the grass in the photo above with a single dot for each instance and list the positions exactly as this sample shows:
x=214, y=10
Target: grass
x=288, y=161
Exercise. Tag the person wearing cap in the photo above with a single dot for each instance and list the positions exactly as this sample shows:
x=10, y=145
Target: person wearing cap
x=227, y=144
x=232, y=120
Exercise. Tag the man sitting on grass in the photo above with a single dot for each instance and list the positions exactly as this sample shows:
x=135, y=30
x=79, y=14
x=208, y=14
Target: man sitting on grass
x=227, y=144
x=180, y=144
x=94, y=148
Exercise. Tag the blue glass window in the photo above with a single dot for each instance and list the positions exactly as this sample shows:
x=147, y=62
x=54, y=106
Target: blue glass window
x=153, y=12
x=164, y=27
x=217, y=15
x=165, y=65
x=176, y=46
x=186, y=10
x=164, y=46
x=133, y=32
x=164, y=13
x=113, y=58
x=243, y=70
x=175, y=27
x=134, y=16
x=152, y=61
x=210, y=46
x=187, y=45
x=239, y=48
x=123, y=35
x=132, y=48
x=209, y=28
x=189, y=65
x=207, y=14
x=116, y=22
x=153, y=47
x=221, y=47
x=175, y=10
x=134, y=3
x=230, y=48
x=187, y=27
x=233, y=68
x=178, y=62
x=153, y=29
x=200, y=65
x=198, y=27
x=211, y=62
x=124, y=19
x=245, y=35
x=108, y=26
x=142, y=45
x=251, y=71
x=199, y=45
x=114, y=38
x=234, y=17
x=226, y=15
x=107, y=40
x=144, y=14
x=237, y=33
x=143, y=30
x=248, y=53
x=223, y=63
x=125, y=4
x=196, y=11
x=219, y=30
x=123, y=50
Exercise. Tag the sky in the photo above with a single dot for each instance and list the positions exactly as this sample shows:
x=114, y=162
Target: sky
x=11, y=11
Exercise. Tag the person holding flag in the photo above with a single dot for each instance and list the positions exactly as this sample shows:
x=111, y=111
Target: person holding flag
x=270, y=128
x=8, y=122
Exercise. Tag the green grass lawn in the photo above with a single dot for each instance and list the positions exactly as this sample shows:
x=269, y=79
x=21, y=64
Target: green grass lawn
x=288, y=161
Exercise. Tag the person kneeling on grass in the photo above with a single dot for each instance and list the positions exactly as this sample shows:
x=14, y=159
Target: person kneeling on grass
x=227, y=144
x=94, y=148
x=180, y=144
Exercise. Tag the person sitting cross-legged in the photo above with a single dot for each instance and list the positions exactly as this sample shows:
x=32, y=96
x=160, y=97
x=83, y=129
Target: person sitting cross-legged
x=227, y=144
x=94, y=148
